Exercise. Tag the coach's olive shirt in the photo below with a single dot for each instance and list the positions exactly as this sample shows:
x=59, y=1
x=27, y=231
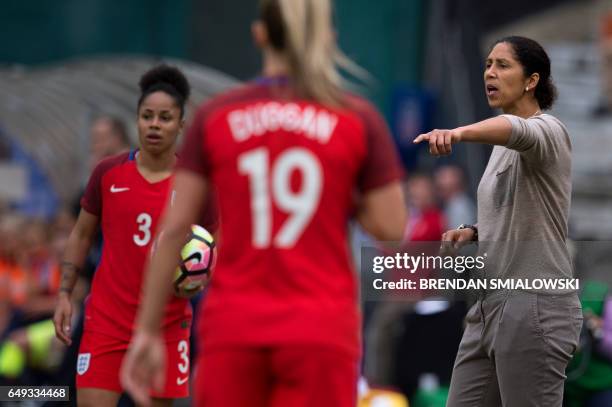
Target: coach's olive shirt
x=524, y=201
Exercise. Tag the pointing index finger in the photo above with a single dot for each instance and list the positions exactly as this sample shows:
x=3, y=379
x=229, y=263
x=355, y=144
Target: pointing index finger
x=420, y=138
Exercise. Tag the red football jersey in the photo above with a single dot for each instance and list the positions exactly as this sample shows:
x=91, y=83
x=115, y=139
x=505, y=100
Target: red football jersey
x=286, y=172
x=128, y=207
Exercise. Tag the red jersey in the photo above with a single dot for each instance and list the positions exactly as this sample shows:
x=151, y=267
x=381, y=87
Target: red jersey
x=286, y=173
x=128, y=207
x=428, y=226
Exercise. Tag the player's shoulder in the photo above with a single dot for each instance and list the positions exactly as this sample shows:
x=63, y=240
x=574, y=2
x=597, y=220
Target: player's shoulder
x=111, y=162
x=240, y=94
x=360, y=106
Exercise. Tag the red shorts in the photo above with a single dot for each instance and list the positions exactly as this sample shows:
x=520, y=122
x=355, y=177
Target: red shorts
x=288, y=376
x=100, y=358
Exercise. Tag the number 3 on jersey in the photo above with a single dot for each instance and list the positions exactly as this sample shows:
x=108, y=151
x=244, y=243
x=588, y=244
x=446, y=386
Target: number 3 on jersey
x=143, y=237
x=300, y=205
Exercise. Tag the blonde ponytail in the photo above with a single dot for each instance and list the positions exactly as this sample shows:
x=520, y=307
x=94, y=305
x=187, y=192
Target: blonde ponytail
x=308, y=41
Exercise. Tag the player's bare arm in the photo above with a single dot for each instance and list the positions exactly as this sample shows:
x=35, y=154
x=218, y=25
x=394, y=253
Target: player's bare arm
x=382, y=212
x=142, y=366
x=79, y=243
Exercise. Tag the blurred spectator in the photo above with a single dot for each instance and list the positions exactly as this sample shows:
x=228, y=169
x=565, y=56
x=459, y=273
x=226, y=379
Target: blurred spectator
x=109, y=136
x=405, y=338
x=29, y=339
x=605, y=50
x=426, y=335
x=458, y=206
x=426, y=222
x=42, y=268
x=44, y=246
x=13, y=284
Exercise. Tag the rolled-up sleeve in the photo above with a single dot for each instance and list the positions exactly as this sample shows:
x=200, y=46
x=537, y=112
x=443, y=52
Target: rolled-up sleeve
x=540, y=139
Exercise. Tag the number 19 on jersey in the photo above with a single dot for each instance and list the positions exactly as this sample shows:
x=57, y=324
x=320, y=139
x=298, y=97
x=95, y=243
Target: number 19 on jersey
x=270, y=184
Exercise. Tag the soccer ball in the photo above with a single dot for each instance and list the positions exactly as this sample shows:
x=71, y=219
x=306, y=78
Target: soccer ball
x=198, y=258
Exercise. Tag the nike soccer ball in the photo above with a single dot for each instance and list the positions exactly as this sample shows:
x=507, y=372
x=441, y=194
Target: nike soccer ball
x=198, y=258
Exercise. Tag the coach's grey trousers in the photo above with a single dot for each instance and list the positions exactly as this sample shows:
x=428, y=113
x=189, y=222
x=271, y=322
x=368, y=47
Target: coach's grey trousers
x=515, y=349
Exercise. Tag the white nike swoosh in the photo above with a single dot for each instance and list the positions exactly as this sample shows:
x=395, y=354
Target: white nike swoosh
x=114, y=189
x=182, y=381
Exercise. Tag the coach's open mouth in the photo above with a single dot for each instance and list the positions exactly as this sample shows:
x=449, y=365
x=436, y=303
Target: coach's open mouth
x=492, y=90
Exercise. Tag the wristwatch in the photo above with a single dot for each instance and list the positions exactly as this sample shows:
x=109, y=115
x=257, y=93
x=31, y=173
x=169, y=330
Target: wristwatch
x=473, y=227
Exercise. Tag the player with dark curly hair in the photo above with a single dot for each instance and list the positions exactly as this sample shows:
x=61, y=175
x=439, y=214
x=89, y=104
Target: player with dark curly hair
x=125, y=196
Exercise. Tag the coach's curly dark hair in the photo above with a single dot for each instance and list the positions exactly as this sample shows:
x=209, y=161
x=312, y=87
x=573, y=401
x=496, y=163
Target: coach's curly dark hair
x=168, y=79
x=533, y=58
